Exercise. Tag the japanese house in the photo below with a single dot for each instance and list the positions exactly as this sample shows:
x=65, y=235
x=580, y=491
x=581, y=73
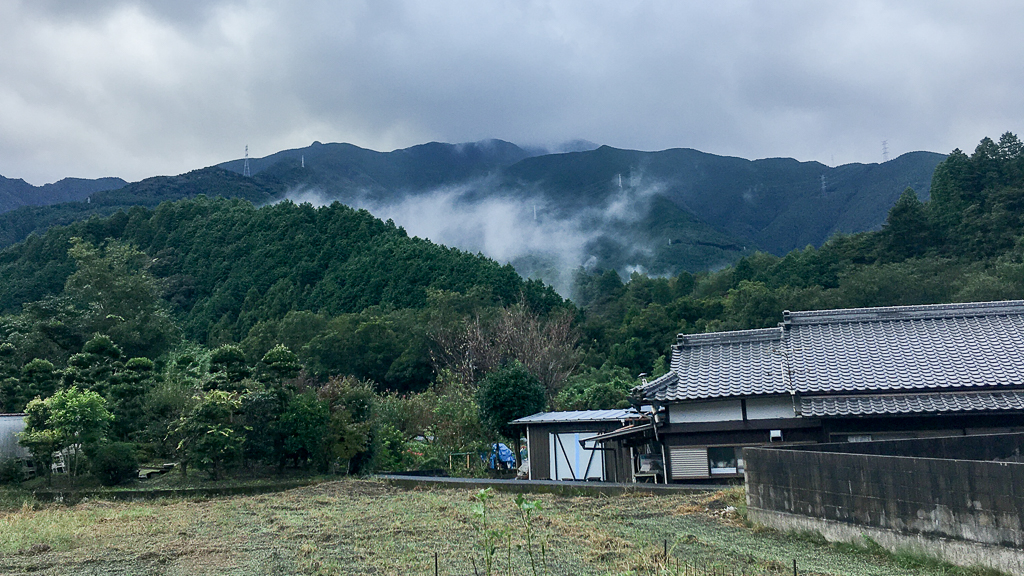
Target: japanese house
x=823, y=376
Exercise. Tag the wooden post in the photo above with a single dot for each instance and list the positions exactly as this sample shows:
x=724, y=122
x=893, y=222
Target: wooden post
x=518, y=450
x=794, y=567
x=435, y=563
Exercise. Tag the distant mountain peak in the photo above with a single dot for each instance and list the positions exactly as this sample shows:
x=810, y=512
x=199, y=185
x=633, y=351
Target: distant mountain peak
x=15, y=192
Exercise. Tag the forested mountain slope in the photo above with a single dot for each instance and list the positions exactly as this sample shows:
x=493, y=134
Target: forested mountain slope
x=227, y=265
x=15, y=193
x=17, y=224
x=775, y=204
x=660, y=212
x=663, y=212
x=964, y=244
x=344, y=171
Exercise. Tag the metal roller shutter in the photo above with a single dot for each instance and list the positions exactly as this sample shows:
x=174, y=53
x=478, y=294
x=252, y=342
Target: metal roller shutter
x=689, y=462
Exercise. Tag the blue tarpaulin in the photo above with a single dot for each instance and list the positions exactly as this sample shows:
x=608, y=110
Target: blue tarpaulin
x=501, y=453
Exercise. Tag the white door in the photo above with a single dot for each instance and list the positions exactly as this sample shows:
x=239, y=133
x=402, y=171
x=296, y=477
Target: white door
x=570, y=461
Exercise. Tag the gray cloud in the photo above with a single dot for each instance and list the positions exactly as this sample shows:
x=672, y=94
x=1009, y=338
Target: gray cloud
x=138, y=88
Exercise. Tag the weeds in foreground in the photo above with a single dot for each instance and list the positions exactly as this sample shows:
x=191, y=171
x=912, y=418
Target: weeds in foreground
x=526, y=509
x=357, y=526
x=489, y=536
x=15, y=499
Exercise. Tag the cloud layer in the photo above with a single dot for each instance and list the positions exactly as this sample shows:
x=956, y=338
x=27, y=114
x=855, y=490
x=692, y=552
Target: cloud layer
x=138, y=88
x=515, y=227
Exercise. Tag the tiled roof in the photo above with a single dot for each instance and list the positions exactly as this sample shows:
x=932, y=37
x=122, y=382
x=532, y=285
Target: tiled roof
x=911, y=403
x=895, y=349
x=722, y=364
x=907, y=348
x=579, y=416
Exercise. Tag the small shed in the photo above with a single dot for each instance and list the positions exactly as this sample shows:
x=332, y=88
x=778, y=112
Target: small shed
x=558, y=447
x=10, y=426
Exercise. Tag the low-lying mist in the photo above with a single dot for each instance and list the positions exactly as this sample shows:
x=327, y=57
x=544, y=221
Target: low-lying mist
x=521, y=227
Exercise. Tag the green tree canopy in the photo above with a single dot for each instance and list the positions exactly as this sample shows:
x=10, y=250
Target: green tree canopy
x=228, y=369
x=508, y=393
x=209, y=438
x=281, y=363
x=71, y=419
x=121, y=297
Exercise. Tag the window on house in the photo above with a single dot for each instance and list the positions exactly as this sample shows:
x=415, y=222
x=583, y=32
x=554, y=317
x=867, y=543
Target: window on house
x=725, y=460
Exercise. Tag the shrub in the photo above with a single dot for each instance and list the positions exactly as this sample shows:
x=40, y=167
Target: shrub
x=115, y=463
x=10, y=471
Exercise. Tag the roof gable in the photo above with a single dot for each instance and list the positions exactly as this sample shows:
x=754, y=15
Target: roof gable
x=722, y=364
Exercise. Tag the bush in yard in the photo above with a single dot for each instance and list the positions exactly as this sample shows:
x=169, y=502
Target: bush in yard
x=10, y=471
x=391, y=455
x=114, y=463
x=209, y=437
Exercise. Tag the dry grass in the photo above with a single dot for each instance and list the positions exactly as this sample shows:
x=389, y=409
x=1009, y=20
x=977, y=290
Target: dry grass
x=367, y=527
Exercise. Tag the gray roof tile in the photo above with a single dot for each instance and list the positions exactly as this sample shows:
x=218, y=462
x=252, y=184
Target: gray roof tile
x=721, y=364
x=897, y=349
x=906, y=352
x=910, y=403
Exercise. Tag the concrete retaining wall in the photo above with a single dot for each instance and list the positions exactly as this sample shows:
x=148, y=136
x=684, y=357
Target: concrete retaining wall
x=907, y=500
x=960, y=552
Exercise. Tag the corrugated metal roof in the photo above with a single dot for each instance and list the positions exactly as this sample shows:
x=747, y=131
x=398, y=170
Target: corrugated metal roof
x=911, y=403
x=893, y=349
x=623, y=432
x=579, y=416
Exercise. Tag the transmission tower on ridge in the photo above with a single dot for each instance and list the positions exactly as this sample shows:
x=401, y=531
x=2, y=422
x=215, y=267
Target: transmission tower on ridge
x=885, y=150
x=245, y=167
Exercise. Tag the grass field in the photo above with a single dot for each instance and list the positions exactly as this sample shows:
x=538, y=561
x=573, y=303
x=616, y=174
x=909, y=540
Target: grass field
x=367, y=527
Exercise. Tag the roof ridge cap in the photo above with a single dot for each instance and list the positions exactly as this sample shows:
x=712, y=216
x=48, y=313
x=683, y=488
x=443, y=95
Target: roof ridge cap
x=921, y=311
x=730, y=337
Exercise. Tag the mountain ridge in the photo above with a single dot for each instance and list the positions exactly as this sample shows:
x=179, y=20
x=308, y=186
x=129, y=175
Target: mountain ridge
x=548, y=213
x=15, y=192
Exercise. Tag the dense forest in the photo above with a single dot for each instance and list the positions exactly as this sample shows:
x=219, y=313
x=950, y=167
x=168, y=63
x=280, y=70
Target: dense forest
x=287, y=336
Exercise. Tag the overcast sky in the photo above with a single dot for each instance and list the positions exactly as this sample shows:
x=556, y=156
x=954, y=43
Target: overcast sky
x=141, y=88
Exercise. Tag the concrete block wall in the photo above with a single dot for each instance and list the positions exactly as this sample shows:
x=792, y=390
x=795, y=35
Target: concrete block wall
x=973, y=500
